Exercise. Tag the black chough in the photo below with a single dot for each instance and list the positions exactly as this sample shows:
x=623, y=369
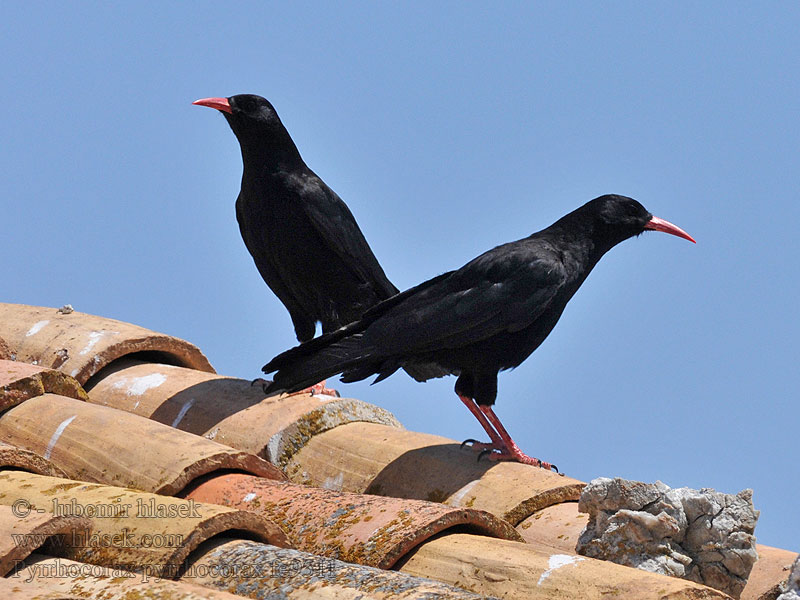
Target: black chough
x=487, y=316
x=302, y=237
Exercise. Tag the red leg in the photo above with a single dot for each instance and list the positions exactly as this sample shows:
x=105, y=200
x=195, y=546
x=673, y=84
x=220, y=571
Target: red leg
x=497, y=442
x=509, y=449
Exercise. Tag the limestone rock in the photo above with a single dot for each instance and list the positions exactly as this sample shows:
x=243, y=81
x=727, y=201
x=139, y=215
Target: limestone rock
x=792, y=586
x=700, y=535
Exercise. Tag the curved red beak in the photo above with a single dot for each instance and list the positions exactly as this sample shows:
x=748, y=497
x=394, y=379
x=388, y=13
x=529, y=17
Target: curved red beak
x=218, y=103
x=657, y=224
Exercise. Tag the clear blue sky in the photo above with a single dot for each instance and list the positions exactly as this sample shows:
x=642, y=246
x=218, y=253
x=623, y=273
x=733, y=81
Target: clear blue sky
x=448, y=128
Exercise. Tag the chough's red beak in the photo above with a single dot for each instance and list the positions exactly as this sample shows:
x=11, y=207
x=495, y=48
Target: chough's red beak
x=218, y=103
x=657, y=224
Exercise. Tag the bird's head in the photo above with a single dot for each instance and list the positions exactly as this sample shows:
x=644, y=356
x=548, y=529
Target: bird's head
x=616, y=218
x=254, y=121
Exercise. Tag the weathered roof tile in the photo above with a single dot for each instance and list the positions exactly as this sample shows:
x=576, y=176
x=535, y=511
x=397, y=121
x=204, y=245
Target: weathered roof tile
x=260, y=571
x=97, y=443
x=80, y=344
x=131, y=530
x=513, y=570
x=92, y=582
x=374, y=459
x=25, y=460
x=23, y=531
x=20, y=381
x=358, y=528
x=228, y=410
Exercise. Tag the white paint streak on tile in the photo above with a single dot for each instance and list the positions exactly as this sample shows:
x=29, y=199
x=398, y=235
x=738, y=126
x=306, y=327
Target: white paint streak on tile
x=139, y=385
x=94, y=337
x=57, y=434
x=556, y=562
x=249, y=497
x=36, y=328
x=455, y=499
x=182, y=413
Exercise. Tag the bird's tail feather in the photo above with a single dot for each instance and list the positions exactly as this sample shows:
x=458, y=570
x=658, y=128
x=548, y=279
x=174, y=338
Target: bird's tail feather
x=298, y=369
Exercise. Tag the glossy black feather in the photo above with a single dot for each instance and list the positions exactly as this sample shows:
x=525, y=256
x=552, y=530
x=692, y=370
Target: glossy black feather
x=487, y=316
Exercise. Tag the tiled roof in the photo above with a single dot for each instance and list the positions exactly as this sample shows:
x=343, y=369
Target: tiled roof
x=127, y=466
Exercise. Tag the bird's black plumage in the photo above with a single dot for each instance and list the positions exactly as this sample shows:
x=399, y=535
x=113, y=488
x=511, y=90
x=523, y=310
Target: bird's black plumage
x=487, y=316
x=301, y=235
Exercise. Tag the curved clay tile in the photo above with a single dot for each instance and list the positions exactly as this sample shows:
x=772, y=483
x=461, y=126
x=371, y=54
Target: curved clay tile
x=92, y=582
x=19, y=589
x=132, y=530
x=6, y=353
x=23, y=531
x=230, y=411
x=80, y=344
x=20, y=381
x=512, y=570
x=374, y=459
x=98, y=443
x=557, y=526
x=262, y=571
x=770, y=571
x=25, y=460
x=358, y=528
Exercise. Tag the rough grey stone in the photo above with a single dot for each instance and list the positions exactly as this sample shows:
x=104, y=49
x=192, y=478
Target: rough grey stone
x=791, y=589
x=700, y=535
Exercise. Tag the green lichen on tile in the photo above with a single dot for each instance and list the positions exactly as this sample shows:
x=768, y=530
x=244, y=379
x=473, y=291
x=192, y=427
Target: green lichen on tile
x=60, y=487
x=286, y=443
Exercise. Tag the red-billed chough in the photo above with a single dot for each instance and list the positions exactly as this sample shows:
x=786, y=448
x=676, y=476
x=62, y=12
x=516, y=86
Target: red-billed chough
x=303, y=238
x=487, y=316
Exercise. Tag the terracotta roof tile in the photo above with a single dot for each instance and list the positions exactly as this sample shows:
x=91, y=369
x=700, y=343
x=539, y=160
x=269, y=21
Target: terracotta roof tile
x=18, y=589
x=80, y=344
x=557, y=526
x=73, y=579
x=23, y=532
x=6, y=353
x=20, y=381
x=359, y=528
x=132, y=530
x=514, y=570
x=97, y=443
x=771, y=569
x=264, y=572
x=374, y=459
x=25, y=460
x=228, y=410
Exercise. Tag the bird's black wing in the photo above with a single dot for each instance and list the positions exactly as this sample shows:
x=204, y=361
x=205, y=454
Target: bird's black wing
x=503, y=290
x=338, y=229
x=304, y=323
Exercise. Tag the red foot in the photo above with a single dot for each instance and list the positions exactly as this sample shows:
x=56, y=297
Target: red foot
x=501, y=453
x=502, y=447
x=319, y=389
